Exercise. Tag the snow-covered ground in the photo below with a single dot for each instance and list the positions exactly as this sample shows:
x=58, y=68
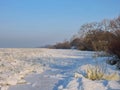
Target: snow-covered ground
x=50, y=69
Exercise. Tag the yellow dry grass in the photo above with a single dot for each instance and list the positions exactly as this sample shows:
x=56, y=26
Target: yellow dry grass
x=99, y=73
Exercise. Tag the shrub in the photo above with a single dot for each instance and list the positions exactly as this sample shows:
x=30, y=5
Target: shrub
x=93, y=40
x=94, y=72
x=78, y=43
x=99, y=73
x=63, y=45
x=114, y=47
x=98, y=40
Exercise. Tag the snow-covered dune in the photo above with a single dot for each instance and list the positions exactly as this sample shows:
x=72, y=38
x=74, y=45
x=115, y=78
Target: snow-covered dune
x=51, y=69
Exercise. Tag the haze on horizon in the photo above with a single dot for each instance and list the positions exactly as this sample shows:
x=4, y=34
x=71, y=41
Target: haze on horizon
x=35, y=23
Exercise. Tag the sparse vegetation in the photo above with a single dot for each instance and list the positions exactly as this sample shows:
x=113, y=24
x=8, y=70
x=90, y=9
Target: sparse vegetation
x=98, y=72
x=95, y=72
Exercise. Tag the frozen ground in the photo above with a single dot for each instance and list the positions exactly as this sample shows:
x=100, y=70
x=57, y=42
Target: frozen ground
x=50, y=69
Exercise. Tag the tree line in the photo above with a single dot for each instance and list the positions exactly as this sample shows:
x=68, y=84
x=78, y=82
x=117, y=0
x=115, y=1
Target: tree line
x=95, y=36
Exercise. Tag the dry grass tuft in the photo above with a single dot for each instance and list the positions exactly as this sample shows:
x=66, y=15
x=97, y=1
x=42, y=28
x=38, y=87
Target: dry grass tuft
x=94, y=72
x=99, y=73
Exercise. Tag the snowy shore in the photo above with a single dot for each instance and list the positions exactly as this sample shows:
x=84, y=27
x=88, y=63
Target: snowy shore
x=50, y=69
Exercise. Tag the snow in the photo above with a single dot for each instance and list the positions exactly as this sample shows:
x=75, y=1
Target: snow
x=51, y=69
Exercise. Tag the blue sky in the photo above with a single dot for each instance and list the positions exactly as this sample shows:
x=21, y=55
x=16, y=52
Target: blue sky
x=34, y=23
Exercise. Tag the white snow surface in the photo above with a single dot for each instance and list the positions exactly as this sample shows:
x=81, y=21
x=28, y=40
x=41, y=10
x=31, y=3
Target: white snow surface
x=50, y=69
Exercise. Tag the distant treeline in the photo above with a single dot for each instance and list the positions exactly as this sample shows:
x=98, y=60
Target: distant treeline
x=95, y=36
